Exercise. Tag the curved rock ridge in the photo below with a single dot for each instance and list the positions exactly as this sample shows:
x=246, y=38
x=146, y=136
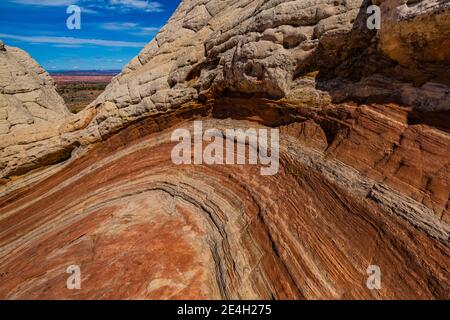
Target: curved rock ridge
x=158, y=231
x=31, y=112
x=292, y=49
x=364, y=174
x=310, y=52
x=313, y=52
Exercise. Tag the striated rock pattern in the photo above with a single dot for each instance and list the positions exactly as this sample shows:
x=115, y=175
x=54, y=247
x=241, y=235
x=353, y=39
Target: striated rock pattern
x=364, y=173
x=306, y=51
x=154, y=230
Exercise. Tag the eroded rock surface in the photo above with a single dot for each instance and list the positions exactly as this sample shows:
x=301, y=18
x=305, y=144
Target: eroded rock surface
x=416, y=34
x=308, y=52
x=364, y=173
x=155, y=230
x=302, y=50
x=31, y=112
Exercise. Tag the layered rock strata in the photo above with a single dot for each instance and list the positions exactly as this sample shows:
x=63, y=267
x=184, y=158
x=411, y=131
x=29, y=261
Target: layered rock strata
x=140, y=227
x=364, y=163
x=308, y=52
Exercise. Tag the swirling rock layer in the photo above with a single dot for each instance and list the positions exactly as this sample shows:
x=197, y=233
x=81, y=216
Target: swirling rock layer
x=140, y=227
x=364, y=163
x=314, y=52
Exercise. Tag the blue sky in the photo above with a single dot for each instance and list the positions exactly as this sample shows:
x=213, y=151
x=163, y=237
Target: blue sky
x=112, y=31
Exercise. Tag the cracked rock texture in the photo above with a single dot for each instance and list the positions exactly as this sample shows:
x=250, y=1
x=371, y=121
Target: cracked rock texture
x=30, y=113
x=364, y=173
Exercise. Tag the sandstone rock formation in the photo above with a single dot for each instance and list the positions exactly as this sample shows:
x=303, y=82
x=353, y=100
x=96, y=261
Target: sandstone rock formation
x=30, y=113
x=140, y=227
x=416, y=35
x=309, y=52
x=364, y=173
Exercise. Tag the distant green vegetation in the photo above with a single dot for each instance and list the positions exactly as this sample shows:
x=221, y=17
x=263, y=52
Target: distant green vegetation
x=70, y=87
x=79, y=95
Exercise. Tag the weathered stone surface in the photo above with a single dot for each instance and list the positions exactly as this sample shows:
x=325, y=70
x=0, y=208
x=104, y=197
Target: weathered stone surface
x=364, y=162
x=312, y=52
x=30, y=113
x=416, y=34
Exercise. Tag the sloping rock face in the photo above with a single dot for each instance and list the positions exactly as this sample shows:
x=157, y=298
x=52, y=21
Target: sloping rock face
x=30, y=113
x=290, y=49
x=140, y=227
x=309, y=52
x=416, y=35
x=364, y=175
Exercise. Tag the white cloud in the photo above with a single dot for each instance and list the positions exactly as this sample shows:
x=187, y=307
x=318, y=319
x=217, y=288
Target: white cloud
x=148, y=31
x=119, y=26
x=67, y=46
x=46, y=3
x=88, y=10
x=73, y=41
x=149, y=6
x=131, y=27
x=55, y=3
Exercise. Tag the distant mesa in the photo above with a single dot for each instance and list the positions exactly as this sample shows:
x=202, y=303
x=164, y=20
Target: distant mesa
x=84, y=73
